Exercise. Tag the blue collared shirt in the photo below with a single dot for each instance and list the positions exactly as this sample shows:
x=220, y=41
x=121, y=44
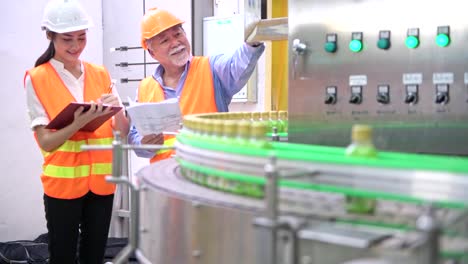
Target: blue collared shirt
x=230, y=71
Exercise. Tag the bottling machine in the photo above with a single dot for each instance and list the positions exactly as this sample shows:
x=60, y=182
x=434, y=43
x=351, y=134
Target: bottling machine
x=399, y=66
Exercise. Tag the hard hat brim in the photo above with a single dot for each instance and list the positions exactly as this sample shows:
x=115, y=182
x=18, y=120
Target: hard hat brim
x=143, y=40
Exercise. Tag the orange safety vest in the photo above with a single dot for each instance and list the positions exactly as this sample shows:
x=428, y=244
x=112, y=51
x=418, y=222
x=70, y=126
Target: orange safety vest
x=69, y=172
x=197, y=96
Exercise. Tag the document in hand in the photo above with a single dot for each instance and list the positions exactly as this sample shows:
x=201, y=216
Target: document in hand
x=155, y=118
x=67, y=115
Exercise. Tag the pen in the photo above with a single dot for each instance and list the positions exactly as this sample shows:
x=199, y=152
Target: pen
x=111, y=86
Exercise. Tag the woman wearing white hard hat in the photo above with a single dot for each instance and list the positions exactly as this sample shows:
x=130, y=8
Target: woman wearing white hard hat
x=77, y=199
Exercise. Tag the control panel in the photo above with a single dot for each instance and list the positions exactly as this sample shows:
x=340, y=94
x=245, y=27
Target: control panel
x=401, y=66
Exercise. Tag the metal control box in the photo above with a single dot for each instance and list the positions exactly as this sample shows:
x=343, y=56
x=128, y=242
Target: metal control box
x=400, y=66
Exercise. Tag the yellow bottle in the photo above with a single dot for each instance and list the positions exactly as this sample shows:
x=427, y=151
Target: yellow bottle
x=229, y=131
x=283, y=122
x=258, y=137
x=361, y=142
x=273, y=121
x=242, y=133
x=256, y=116
x=361, y=146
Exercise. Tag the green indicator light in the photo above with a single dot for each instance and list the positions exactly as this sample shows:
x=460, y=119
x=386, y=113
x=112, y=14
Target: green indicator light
x=442, y=40
x=355, y=45
x=383, y=43
x=412, y=42
x=330, y=47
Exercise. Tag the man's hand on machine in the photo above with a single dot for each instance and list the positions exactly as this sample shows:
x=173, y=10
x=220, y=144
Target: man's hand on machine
x=153, y=139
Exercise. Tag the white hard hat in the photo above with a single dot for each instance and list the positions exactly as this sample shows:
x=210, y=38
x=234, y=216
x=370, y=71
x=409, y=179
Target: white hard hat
x=62, y=16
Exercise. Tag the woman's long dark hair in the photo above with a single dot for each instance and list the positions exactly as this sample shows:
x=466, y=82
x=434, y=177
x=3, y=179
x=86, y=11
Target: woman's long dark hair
x=50, y=51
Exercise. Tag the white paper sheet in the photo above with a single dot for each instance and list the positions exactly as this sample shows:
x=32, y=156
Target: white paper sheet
x=155, y=118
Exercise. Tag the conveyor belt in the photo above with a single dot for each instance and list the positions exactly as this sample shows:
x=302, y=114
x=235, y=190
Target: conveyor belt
x=166, y=177
x=310, y=203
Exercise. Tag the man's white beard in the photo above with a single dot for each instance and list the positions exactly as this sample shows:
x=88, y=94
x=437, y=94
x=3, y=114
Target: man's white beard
x=181, y=58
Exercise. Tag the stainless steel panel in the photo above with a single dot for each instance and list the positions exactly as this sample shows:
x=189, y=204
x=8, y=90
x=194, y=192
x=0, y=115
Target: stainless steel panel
x=422, y=127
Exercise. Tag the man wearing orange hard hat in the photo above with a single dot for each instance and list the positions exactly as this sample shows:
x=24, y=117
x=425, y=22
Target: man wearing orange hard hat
x=202, y=84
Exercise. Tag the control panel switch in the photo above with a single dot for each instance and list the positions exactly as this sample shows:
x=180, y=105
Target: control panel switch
x=383, y=94
x=356, y=95
x=411, y=94
x=330, y=96
x=442, y=94
x=384, y=40
x=331, y=43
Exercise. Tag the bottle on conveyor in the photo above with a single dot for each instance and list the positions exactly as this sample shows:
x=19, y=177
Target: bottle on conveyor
x=363, y=147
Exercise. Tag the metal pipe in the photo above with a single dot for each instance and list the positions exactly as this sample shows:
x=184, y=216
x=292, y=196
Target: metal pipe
x=117, y=155
x=126, y=64
x=122, y=257
x=427, y=223
x=133, y=239
x=134, y=216
x=118, y=178
x=271, y=199
x=147, y=147
x=141, y=258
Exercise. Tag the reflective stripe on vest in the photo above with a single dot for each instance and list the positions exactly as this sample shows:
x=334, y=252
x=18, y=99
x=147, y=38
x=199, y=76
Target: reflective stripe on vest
x=167, y=143
x=75, y=146
x=66, y=172
x=101, y=168
x=77, y=171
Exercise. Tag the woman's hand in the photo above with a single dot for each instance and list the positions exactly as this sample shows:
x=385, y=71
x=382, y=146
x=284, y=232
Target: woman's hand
x=49, y=139
x=119, y=121
x=82, y=117
x=109, y=99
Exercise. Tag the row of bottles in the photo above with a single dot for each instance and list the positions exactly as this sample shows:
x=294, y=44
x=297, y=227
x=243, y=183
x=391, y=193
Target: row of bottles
x=240, y=129
x=223, y=184
x=271, y=119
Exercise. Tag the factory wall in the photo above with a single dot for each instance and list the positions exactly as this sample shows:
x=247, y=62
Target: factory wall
x=116, y=23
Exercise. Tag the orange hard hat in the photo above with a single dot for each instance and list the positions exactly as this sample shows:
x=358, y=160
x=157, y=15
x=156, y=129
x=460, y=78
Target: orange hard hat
x=156, y=21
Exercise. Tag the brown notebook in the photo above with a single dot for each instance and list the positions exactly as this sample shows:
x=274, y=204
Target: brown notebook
x=66, y=116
